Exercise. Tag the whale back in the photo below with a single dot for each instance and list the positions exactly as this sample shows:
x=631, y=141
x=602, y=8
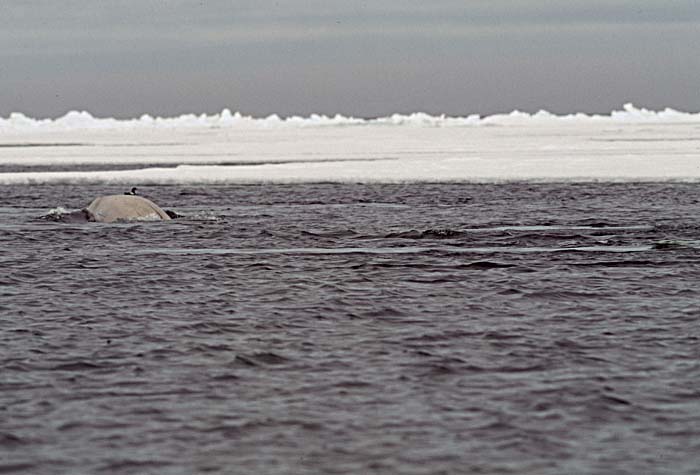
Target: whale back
x=108, y=209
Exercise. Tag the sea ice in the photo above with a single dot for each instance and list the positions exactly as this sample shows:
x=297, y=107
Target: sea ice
x=628, y=145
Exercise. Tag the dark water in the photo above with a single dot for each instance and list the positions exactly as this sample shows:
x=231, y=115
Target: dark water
x=320, y=329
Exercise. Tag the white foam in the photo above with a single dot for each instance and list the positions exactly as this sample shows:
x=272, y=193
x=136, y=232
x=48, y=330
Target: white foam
x=57, y=211
x=81, y=120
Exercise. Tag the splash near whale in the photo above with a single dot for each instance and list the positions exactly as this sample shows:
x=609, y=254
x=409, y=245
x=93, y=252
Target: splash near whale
x=111, y=208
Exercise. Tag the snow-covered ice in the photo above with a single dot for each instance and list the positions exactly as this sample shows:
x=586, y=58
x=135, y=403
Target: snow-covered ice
x=628, y=145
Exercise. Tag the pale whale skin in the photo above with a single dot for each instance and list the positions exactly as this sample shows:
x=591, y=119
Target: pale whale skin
x=108, y=209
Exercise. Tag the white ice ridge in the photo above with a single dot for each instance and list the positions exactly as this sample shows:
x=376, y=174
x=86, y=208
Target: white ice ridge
x=75, y=120
x=527, y=149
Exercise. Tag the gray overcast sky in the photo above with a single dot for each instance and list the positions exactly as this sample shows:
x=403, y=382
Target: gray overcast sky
x=123, y=58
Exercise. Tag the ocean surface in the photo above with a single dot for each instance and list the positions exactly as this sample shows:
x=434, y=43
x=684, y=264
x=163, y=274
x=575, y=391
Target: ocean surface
x=353, y=329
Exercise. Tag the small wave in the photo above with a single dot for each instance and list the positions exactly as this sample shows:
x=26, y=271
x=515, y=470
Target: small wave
x=133, y=465
x=523, y=231
x=16, y=467
x=427, y=234
x=258, y=359
x=669, y=244
x=486, y=265
x=77, y=366
x=8, y=439
x=595, y=223
x=343, y=233
x=618, y=263
x=199, y=216
x=63, y=215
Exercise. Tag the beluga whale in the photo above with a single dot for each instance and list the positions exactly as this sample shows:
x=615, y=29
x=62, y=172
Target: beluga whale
x=126, y=207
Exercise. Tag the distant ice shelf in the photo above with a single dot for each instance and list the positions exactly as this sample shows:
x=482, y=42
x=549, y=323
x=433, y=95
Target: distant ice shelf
x=628, y=145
